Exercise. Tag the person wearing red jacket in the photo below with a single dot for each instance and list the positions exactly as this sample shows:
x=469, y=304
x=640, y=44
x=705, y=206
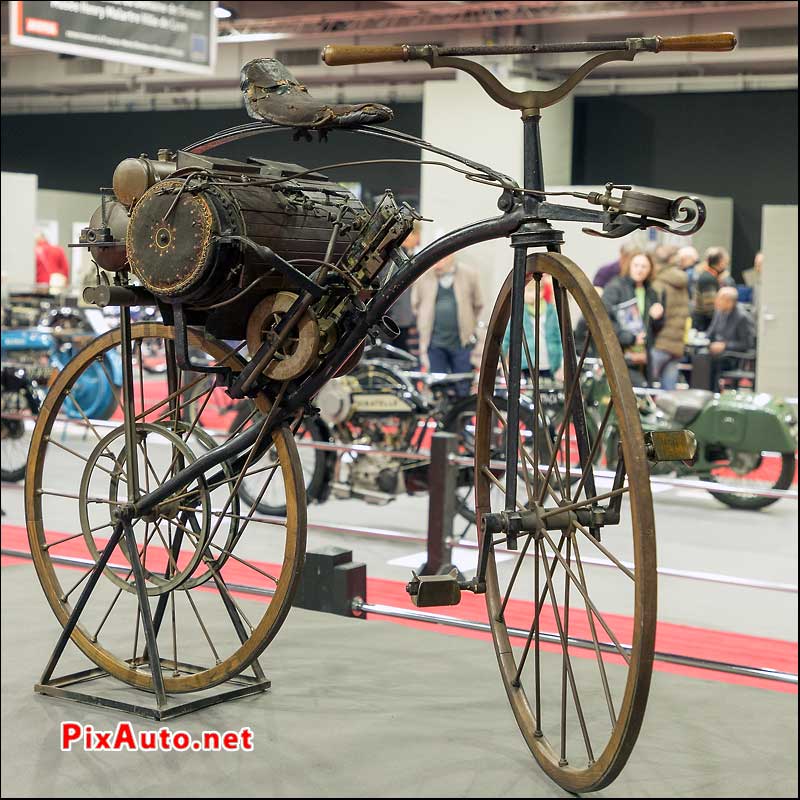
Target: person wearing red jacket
x=50, y=260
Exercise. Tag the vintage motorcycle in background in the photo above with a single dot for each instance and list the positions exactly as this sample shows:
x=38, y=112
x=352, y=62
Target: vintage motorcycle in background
x=47, y=349
x=22, y=392
x=386, y=404
x=744, y=440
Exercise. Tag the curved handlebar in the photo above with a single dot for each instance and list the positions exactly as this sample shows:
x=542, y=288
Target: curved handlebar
x=340, y=55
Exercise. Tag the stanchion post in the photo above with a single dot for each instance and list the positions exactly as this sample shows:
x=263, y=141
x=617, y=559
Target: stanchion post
x=442, y=475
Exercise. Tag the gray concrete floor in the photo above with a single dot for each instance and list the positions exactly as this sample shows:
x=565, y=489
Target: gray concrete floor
x=376, y=709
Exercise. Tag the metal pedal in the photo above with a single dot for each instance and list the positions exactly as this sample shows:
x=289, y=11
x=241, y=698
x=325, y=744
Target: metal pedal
x=671, y=446
x=434, y=590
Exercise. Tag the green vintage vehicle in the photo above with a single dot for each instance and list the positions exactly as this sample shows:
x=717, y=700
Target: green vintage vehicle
x=744, y=439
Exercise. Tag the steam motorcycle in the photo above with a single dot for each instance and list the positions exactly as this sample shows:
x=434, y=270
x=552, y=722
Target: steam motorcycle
x=286, y=260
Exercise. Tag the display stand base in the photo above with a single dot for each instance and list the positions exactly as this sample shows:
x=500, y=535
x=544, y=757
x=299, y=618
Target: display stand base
x=63, y=688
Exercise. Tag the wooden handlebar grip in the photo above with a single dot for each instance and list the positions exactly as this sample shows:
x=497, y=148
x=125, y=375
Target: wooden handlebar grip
x=337, y=55
x=705, y=42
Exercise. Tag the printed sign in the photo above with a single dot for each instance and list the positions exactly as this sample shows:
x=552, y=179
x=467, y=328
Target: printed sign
x=170, y=35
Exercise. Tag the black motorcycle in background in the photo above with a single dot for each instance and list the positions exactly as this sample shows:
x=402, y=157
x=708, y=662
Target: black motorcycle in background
x=385, y=404
x=22, y=396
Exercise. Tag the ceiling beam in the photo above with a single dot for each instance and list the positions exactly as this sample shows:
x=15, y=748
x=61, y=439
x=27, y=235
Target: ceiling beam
x=408, y=18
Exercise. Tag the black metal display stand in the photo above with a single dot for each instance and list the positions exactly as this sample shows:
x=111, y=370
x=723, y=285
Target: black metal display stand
x=165, y=706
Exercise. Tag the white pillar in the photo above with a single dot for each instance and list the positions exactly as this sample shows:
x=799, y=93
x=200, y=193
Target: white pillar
x=459, y=116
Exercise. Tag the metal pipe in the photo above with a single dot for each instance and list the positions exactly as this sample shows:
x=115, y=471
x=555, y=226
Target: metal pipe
x=440, y=619
x=671, y=658
x=397, y=536
x=462, y=461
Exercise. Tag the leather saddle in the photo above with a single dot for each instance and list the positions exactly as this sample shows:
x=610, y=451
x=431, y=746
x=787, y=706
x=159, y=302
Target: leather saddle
x=272, y=94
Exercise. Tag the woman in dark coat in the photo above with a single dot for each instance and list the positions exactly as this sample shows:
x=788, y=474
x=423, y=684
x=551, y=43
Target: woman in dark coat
x=636, y=314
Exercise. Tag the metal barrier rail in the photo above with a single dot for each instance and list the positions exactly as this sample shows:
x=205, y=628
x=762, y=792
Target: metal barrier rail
x=362, y=449
x=454, y=542
x=670, y=658
x=362, y=607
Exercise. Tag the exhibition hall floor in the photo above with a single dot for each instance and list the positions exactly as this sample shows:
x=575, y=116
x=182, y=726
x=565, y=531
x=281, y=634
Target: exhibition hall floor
x=377, y=709
x=358, y=707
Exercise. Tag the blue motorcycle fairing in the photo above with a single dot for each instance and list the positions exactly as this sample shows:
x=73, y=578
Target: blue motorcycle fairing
x=25, y=339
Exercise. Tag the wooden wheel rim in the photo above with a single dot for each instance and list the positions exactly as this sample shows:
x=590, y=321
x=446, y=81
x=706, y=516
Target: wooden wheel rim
x=631, y=710
x=294, y=547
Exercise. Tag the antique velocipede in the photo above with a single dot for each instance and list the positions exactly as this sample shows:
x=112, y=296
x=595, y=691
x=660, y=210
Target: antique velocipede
x=283, y=259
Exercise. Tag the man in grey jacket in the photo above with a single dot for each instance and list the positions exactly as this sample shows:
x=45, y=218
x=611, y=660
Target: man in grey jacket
x=447, y=302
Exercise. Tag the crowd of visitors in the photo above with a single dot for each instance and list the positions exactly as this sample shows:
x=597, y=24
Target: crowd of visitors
x=659, y=302
x=667, y=306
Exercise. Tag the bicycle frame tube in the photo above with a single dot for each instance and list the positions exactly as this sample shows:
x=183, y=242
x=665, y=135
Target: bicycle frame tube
x=495, y=228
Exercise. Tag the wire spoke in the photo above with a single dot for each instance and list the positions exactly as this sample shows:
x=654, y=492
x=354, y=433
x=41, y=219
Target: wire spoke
x=558, y=471
x=537, y=398
x=83, y=458
x=87, y=421
x=582, y=503
x=82, y=579
x=48, y=545
x=605, y=551
x=520, y=447
x=488, y=473
x=261, y=434
x=537, y=678
x=202, y=626
x=231, y=515
x=521, y=451
x=214, y=571
x=513, y=578
x=242, y=424
x=119, y=591
x=179, y=390
x=245, y=563
x=567, y=404
x=595, y=445
x=117, y=395
x=567, y=663
x=593, y=628
x=535, y=625
x=51, y=493
x=564, y=658
x=580, y=588
x=185, y=436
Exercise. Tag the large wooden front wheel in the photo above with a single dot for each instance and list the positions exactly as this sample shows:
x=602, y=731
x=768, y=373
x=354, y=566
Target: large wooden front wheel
x=573, y=610
x=195, y=549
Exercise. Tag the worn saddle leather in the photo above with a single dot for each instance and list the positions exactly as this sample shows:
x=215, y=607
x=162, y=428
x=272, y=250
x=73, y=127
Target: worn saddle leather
x=272, y=94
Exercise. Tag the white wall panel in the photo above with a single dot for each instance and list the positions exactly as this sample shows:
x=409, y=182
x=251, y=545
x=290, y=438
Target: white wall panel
x=18, y=217
x=777, y=300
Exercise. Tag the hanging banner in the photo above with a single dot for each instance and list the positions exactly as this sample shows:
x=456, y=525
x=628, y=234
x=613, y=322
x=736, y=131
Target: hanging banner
x=170, y=35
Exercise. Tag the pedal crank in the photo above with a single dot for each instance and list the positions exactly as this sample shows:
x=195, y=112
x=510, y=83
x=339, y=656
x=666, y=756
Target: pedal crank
x=440, y=590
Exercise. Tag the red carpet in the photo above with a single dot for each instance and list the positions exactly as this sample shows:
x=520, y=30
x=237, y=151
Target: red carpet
x=732, y=648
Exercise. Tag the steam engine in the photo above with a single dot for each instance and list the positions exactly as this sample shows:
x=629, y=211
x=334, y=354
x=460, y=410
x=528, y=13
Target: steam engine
x=235, y=243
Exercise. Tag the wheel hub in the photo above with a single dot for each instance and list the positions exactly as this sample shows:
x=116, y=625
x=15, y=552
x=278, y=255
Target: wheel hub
x=191, y=531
